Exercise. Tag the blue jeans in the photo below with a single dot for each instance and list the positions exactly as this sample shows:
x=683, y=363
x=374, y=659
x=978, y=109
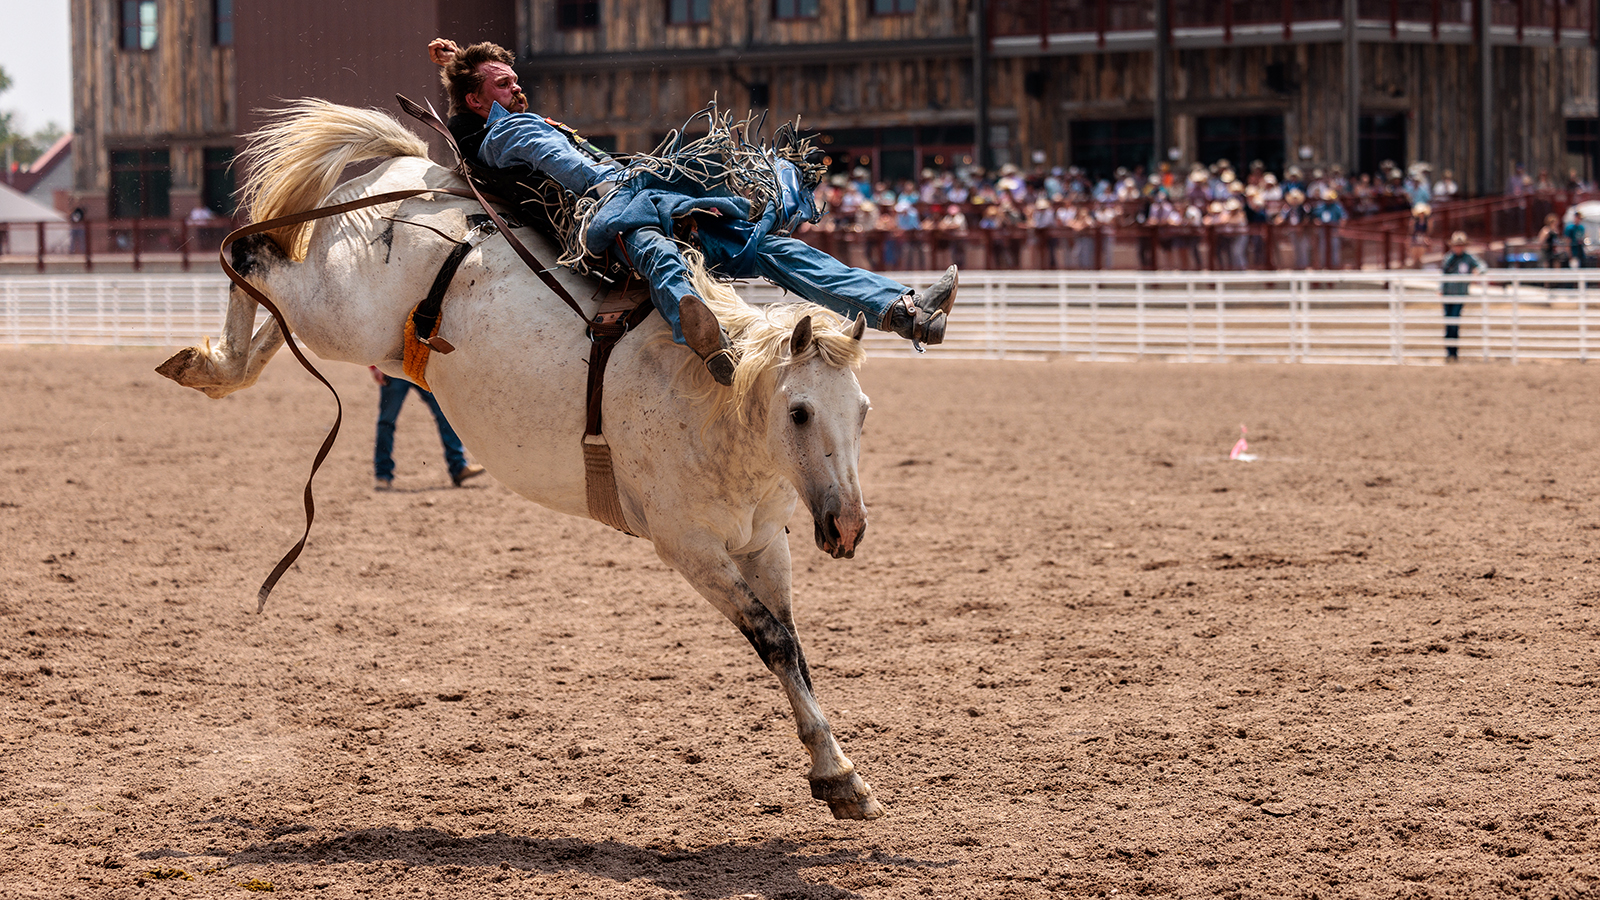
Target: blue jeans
x=390, y=398
x=790, y=264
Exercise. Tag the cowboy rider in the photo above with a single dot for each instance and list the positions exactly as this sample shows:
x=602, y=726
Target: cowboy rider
x=492, y=126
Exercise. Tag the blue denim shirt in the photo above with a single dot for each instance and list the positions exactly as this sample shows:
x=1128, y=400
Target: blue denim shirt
x=528, y=139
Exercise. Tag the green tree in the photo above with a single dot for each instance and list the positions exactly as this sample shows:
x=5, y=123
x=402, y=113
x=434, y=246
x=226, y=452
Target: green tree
x=15, y=146
x=6, y=135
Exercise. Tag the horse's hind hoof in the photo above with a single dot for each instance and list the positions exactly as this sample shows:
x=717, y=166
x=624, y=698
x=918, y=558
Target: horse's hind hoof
x=178, y=364
x=192, y=367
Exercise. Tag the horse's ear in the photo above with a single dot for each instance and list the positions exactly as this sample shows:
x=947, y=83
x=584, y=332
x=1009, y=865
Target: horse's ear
x=859, y=327
x=801, y=339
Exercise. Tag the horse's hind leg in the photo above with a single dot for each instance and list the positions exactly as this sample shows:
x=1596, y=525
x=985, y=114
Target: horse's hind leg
x=754, y=594
x=236, y=361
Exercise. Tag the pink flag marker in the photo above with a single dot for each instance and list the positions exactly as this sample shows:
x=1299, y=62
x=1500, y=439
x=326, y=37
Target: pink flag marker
x=1241, y=450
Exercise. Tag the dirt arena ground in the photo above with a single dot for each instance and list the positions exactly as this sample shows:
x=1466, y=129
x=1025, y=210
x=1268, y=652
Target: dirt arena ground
x=1081, y=653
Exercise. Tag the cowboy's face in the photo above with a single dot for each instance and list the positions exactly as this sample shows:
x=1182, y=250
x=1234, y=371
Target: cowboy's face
x=499, y=86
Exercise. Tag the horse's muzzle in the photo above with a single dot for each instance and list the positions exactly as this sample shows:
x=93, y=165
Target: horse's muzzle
x=839, y=526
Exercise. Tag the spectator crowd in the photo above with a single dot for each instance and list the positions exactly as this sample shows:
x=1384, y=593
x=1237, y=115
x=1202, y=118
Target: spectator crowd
x=1215, y=216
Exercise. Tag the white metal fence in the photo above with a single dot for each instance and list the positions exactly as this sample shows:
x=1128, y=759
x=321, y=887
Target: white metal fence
x=118, y=310
x=1374, y=317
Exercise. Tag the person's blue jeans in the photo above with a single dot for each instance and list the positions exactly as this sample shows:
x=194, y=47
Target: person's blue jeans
x=791, y=264
x=390, y=397
x=1452, y=328
x=807, y=272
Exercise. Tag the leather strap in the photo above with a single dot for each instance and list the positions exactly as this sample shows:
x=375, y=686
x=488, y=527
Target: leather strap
x=606, y=328
x=294, y=347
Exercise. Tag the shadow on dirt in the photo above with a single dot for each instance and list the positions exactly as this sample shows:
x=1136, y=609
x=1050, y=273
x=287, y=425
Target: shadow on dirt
x=769, y=869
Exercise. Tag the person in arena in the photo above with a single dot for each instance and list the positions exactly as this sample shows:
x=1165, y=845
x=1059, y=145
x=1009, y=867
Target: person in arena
x=1458, y=262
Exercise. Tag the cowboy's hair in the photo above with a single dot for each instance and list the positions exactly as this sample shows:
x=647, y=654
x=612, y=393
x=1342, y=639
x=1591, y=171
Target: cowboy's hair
x=461, y=76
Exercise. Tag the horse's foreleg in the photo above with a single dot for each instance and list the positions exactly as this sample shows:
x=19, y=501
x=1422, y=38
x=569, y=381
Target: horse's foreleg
x=754, y=594
x=236, y=361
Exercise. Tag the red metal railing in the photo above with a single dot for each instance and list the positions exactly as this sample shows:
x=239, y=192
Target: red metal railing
x=131, y=242
x=1382, y=240
x=1010, y=18
x=1173, y=248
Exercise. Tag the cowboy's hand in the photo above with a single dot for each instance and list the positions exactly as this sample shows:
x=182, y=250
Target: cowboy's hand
x=378, y=376
x=442, y=51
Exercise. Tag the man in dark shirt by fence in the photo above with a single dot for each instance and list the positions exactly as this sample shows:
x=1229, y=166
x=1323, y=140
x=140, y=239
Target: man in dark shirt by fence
x=1458, y=262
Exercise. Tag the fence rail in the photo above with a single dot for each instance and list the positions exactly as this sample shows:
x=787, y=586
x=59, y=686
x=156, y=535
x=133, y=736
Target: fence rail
x=1515, y=315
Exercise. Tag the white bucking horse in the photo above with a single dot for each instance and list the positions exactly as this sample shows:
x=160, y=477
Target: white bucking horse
x=708, y=474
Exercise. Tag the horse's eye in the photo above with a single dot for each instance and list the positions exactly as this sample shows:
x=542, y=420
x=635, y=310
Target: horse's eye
x=799, y=416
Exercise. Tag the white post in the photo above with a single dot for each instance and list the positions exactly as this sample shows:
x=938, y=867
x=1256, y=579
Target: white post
x=1583, y=320
x=1138, y=303
x=1299, y=287
x=1188, y=328
x=1294, y=321
x=1483, y=307
x=1222, y=343
x=988, y=315
x=1516, y=323
x=1061, y=304
x=1396, y=324
x=1094, y=320
x=58, y=324
x=999, y=347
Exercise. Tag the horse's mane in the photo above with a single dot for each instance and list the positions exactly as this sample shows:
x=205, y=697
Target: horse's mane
x=760, y=336
x=296, y=160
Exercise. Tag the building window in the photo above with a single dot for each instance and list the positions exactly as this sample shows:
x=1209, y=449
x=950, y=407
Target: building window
x=222, y=23
x=688, y=12
x=893, y=7
x=1101, y=147
x=794, y=9
x=1241, y=140
x=138, y=23
x=216, y=188
x=572, y=15
x=141, y=184
x=1583, y=147
x=1380, y=138
x=895, y=154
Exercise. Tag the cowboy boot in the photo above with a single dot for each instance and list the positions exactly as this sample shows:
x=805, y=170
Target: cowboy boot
x=704, y=335
x=920, y=318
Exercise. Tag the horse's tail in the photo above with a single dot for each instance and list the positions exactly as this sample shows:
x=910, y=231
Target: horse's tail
x=295, y=161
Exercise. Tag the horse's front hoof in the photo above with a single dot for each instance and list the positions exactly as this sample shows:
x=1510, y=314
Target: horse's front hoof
x=848, y=795
x=865, y=810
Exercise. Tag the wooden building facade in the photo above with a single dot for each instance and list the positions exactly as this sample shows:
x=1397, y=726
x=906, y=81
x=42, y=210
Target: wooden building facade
x=154, y=109
x=162, y=88
x=902, y=85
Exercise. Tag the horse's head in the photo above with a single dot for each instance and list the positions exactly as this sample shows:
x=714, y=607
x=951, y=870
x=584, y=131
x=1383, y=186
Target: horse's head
x=796, y=380
x=814, y=434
